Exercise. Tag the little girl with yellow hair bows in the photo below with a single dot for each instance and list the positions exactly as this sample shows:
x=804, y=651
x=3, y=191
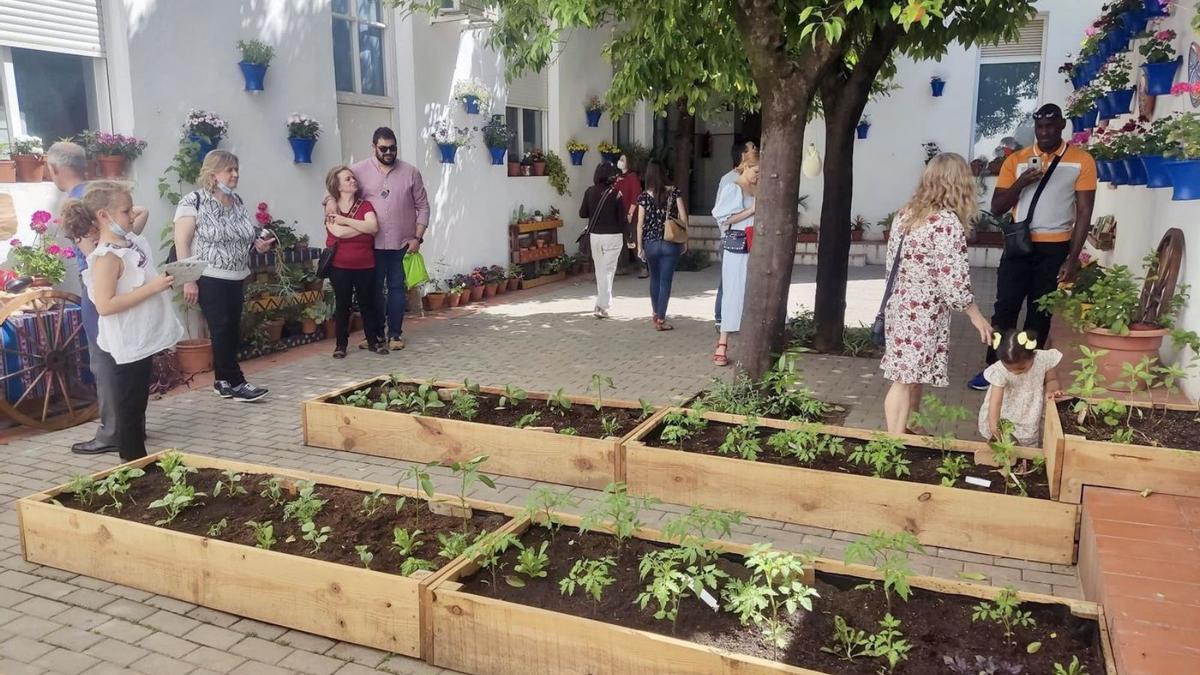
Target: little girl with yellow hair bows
x=1020, y=382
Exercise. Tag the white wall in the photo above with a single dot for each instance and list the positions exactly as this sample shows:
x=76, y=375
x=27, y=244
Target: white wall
x=1144, y=215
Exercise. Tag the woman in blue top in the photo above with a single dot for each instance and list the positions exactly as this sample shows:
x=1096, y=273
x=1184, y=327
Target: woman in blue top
x=734, y=211
x=658, y=202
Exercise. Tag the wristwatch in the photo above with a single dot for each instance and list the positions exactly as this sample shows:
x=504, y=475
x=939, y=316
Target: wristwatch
x=420, y=240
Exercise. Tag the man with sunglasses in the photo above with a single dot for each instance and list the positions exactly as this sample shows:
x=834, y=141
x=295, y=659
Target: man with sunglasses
x=397, y=192
x=1058, y=227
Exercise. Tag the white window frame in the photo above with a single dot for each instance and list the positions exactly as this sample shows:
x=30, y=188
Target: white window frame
x=99, y=113
x=981, y=60
x=631, y=137
x=356, y=97
x=520, y=136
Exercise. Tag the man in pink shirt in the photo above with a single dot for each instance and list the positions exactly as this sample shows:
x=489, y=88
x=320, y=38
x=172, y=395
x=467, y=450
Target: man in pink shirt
x=397, y=192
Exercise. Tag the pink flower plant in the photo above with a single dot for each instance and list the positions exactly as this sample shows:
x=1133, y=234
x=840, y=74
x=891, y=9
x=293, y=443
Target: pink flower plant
x=14, y=242
x=1185, y=88
x=54, y=249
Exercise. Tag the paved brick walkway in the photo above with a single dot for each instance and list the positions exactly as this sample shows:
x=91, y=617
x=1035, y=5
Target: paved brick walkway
x=54, y=621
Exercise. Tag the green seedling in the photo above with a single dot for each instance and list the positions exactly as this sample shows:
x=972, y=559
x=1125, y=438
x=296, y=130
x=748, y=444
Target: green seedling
x=264, y=534
x=306, y=505
x=215, y=529
x=610, y=427
x=364, y=555
x=404, y=542
x=178, y=497
x=361, y=398
x=806, y=443
x=952, y=468
x=426, y=399
x=1072, y=668
x=889, y=554
x=679, y=425
x=884, y=454
x=775, y=587
x=543, y=502
x=411, y=565
x=513, y=397
x=599, y=384
x=528, y=420
x=452, y=544
x=230, y=483
x=568, y=431
x=742, y=441
x=533, y=563
x=1005, y=611
x=372, y=503
x=83, y=487
x=671, y=579
x=465, y=404
x=617, y=511
x=273, y=490
x=558, y=402
x=487, y=549
x=116, y=485
x=590, y=575
x=314, y=535
x=468, y=474
x=938, y=419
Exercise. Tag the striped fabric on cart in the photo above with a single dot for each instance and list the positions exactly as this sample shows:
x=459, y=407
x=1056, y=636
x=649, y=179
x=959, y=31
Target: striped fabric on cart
x=24, y=335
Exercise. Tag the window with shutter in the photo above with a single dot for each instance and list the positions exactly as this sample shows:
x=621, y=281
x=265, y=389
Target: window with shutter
x=62, y=26
x=1007, y=93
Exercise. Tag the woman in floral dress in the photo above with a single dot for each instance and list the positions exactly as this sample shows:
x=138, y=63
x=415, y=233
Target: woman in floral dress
x=933, y=280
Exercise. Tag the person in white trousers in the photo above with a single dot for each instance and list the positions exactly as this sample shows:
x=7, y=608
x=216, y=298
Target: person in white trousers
x=607, y=230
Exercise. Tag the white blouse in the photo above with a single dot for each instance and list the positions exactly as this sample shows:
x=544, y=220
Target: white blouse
x=148, y=327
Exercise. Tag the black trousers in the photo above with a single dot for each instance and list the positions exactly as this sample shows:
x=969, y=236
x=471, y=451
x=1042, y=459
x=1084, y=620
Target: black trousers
x=349, y=285
x=131, y=385
x=221, y=303
x=1020, y=281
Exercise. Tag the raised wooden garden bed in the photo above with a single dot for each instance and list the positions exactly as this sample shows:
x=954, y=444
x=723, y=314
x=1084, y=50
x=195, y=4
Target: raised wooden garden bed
x=541, y=455
x=478, y=628
x=1094, y=461
x=337, y=600
x=955, y=517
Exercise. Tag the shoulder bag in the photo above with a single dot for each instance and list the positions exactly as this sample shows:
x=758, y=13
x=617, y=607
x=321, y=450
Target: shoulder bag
x=878, y=329
x=737, y=241
x=587, y=231
x=325, y=260
x=674, y=230
x=1018, y=240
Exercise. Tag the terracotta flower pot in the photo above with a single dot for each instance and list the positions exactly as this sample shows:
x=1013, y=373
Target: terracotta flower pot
x=501, y=287
x=1122, y=349
x=308, y=326
x=91, y=170
x=274, y=328
x=195, y=356
x=464, y=298
x=435, y=301
x=477, y=293
x=112, y=166
x=8, y=171
x=489, y=290
x=452, y=299
x=514, y=283
x=856, y=235
x=30, y=168
x=539, y=168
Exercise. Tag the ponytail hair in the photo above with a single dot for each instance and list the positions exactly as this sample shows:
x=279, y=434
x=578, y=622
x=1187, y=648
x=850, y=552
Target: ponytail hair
x=79, y=215
x=1014, y=346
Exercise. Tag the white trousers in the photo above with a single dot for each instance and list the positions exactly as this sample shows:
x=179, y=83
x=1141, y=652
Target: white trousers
x=606, y=254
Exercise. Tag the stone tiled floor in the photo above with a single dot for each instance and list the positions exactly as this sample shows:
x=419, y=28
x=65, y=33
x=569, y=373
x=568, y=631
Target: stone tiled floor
x=54, y=621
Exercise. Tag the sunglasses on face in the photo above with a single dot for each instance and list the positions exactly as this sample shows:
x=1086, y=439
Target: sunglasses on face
x=1047, y=116
x=386, y=149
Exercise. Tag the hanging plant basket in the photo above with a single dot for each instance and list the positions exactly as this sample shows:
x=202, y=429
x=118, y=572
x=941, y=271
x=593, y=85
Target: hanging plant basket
x=448, y=151
x=610, y=157
x=1089, y=118
x=593, y=117
x=471, y=104
x=1103, y=172
x=254, y=74
x=1119, y=175
x=498, y=155
x=938, y=86
x=1160, y=76
x=1119, y=101
x=1135, y=170
x=205, y=146
x=1156, y=171
x=862, y=129
x=302, y=149
x=577, y=157
x=1152, y=8
x=1185, y=178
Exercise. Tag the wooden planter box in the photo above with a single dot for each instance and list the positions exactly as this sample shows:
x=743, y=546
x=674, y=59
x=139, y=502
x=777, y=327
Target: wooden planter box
x=956, y=518
x=477, y=634
x=1130, y=467
x=523, y=453
x=356, y=605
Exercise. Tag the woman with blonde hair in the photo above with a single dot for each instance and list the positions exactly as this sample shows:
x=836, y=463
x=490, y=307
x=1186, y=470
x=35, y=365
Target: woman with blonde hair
x=927, y=254
x=734, y=213
x=212, y=225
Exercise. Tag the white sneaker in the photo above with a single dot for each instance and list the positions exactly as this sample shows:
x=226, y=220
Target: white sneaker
x=600, y=313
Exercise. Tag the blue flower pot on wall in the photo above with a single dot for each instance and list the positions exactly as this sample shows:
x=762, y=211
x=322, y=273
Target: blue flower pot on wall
x=610, y=157
x=1089, y=118
x=1104, y=108
x=448, y=151
x=1185, y=178
x=1160, y=76
x=471, y=104
x=1156, y=171
x=205, y=146
x=938, y=85
x=302, y=149
x=593, y=117
x=253, y=74
x=1119, y=175
x=1077, y=125
x=1103, y=172
x=497, y=155
x=1119, y=101
x=577, y=157
x=862, y=129
x=1136, y=170
x=1153, y=8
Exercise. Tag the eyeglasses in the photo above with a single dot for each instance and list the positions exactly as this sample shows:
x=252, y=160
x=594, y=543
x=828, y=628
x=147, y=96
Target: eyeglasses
x=386, y=149
x=1052, y=115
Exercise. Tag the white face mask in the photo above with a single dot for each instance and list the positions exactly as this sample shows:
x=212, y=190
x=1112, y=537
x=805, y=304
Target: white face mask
x=621, y=164
x=224, y=188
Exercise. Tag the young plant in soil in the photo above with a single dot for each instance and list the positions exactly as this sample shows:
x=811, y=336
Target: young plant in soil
x=83, y=487
x=528, y=420
x=599, y=384
x=487, y=549
x=1002, y=450
x=305, y=507
x=1005, y=611
x=647, y=409
x=590, y=575
x=775, y=585
x=230, y=483
x=938, y=419
x=373, y=503
x=404, y=542
x=695, y=530
x=465, y=404
x=889, y=555
x=884, y=454
x=180, y=495
x=513, y=397
x=315, y=535
x=850, y=643
x=361, y=398
x=610, y=427
x=541, y=505
x=672, y=578
x=215, y=529
x=364, y=555
x=806, y=443
x=421, y=479
x=426, y=399
x=618, y=511
x=411, y=565
x=679, y=425
x=742, y=440
x=558, y=402
x=1072, y=668
x=568, y=431
x=468, y=474
x=116, y=485
x=532, y=563
x=273, y=491
x=452, y=544
x=264, y=534
x=952, y=468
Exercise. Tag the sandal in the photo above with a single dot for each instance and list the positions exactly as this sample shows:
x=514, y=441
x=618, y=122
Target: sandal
x=719, y=357
x=663, y=325
x=339, y=353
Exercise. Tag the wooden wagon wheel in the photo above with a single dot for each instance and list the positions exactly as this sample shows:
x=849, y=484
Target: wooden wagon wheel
x=55, y=396
x=1159, y=287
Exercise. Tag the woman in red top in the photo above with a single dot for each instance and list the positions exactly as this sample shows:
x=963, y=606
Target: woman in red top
x=629, y=186
x=352, y=271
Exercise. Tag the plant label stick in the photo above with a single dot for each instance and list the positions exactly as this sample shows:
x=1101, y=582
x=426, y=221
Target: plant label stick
x=981, y=482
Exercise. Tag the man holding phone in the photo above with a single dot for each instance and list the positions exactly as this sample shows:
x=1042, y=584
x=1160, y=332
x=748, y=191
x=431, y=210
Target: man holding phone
x=1058, y=225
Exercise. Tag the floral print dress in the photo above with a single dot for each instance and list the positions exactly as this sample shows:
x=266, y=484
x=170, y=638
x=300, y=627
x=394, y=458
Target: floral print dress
x=934, y=280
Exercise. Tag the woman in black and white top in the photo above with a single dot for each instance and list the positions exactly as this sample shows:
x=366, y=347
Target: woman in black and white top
x=607, y=230
x=211, y=224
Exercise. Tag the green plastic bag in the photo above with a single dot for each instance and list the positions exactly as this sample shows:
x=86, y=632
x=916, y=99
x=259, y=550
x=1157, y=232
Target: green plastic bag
x=414, y=270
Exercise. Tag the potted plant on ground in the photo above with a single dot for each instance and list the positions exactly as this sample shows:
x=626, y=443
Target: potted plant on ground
x=273, y=325
x=435, y=297
x=30, y=159
x=806, y=234
x=256, y=57
x=8, y=168
x=315, y=315
x=885, y=225
x=303, y=132
x=1161, y=62
x=114, y=151
x=594, y=109
x=1115, y=82
x=206, y=130
x=577, y=151
x=514, y=276
x=496, y=136
x=857, y=227
x=475, y=285
x=449, y=139
x=473, y=94
x=937, y=85
x=43, y=260
x=1184, y=135
x=609, y=152
x=1081, y=108
x=864, y=126
x=537, y=160
x=454, y=291
x=496, y=274
x=486, y=281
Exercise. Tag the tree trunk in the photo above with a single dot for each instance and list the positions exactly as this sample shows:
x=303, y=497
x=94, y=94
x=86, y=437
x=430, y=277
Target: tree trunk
x=685, y=134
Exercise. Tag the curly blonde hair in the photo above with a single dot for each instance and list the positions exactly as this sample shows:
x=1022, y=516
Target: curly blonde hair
x=946, y=185
x=215, y=162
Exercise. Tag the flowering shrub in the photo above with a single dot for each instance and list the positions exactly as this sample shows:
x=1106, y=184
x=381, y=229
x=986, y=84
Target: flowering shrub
x=1185, y=88
x=1100, y=145
x=1115, y=74
x=535, y=155
x=1159, y=47
x=495, y=273
x=27, y=145
x=472, y=87
x=605, y=146
x=42, y=258
x=303, y=126
x=445, y=133
x=575, y=146
x=1126, y=141
x=205, y=124
x=104, y=143
x=1081, y=138
x=496, y=133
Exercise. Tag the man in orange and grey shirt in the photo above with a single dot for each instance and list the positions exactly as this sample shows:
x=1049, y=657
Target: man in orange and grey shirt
x=1059, y=226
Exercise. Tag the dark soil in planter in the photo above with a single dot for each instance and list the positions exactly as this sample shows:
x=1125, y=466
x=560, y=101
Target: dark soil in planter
x=342, y=512
x=936, y=624
x=1178, y=429
x=923, y=466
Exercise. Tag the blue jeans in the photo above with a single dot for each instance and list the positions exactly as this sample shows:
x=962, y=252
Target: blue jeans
x=661, y=257
x=389, y=277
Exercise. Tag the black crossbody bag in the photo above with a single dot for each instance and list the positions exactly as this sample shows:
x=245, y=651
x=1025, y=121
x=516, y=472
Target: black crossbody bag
x=1018, y=239
x=879, y=328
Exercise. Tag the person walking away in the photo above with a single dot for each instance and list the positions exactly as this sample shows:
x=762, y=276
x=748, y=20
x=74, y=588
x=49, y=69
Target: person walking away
x=734, y=213
x=211, y=224
x=656, y=204
x=739, y=153
x=1058, y=224
x=397, y=193
x=928, y=250
x=1020, y=383
x=607, y=231
x=351, y=233
x=136, y=318
x=629, y=187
